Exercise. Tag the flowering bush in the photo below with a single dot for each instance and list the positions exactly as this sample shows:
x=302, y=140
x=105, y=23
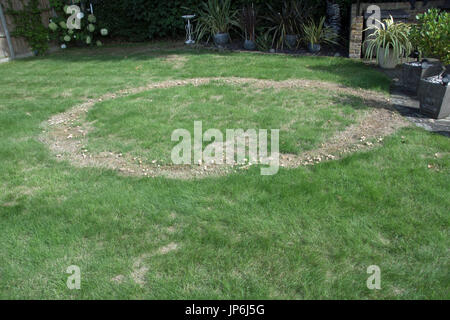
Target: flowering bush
x=88, y=32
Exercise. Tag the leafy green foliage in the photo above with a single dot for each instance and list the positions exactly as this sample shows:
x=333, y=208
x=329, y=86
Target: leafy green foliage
x=85, y=36
x=28, y=24
x=263, y=41
x=389, y=36
x=431, y=34
x=140, y=20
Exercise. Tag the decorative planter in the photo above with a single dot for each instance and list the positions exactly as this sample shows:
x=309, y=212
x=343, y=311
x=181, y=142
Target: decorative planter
x=434, y=98
x=314, y=48
x=413, y=72
x=291, y=40
x=389, y=61
x=249, y=45
x=221, y=39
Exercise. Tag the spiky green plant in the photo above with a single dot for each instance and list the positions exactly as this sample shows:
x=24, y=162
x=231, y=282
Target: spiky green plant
x=248, y=21
x=388, y=36
x=317, y=33
x=215, y=16
x=283, y=22
x=263, y=41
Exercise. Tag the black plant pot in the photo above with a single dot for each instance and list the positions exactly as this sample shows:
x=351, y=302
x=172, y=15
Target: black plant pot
x=413, y=72
x=313, y=48
x=434, y=98
x=291, y=40
x=221, y=39
x=249, y=45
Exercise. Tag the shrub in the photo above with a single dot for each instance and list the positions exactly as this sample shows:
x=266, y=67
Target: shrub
x=431, y=35
x=141, y=20
x=60, y=32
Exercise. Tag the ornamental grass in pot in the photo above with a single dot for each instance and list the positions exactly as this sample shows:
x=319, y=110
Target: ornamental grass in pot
x=248, y=23
x=215, y=19
x=316, y=34
x=389, y=42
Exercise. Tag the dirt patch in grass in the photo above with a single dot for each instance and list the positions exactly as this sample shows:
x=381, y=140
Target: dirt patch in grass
x=140, y=270
x=175, y=60
x=170, y=247
x=367, y=133
x=65, y=133
x=118, y=279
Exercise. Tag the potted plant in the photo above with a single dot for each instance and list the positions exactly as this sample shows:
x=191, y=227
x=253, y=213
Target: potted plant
x=248, y=22
x=432, y=35
x=428, y=37
x=316, y=34
x=284, y=24
x=215, y=19
x=389, y=42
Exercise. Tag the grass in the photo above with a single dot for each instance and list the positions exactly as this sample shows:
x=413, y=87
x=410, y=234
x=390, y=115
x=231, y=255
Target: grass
x=306, y=117
x=303, y=233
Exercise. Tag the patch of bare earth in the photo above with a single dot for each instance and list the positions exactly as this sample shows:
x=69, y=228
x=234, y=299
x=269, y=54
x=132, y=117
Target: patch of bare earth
x=65, y=133
x=140, y=269
x=118, y=279
x=175, y=60
x=367, y=133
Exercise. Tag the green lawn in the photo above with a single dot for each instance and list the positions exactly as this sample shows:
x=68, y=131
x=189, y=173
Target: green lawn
x=306, y=117
x=304, y=233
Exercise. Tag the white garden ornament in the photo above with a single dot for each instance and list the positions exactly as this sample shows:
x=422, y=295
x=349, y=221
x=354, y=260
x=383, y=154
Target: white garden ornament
x=189, y=28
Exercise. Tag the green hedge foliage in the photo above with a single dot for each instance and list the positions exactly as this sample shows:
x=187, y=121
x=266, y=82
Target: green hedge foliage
x=140, y=20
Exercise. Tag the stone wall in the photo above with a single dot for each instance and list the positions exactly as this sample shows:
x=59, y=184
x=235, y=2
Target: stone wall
x=357, y=20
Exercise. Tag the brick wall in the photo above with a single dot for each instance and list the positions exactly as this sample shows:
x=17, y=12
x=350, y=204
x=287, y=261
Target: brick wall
x=356, y=33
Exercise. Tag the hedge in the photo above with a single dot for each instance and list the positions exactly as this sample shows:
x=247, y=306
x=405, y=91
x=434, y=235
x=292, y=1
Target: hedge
x=140, y=20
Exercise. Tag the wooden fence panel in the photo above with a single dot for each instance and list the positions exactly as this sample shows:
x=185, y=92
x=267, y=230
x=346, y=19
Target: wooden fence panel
x=4, y=51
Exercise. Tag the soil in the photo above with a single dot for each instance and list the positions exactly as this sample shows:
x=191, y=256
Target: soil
x=326, y=51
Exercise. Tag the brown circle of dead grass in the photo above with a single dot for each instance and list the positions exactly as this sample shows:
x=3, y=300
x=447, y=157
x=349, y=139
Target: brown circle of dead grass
x=66, y=139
